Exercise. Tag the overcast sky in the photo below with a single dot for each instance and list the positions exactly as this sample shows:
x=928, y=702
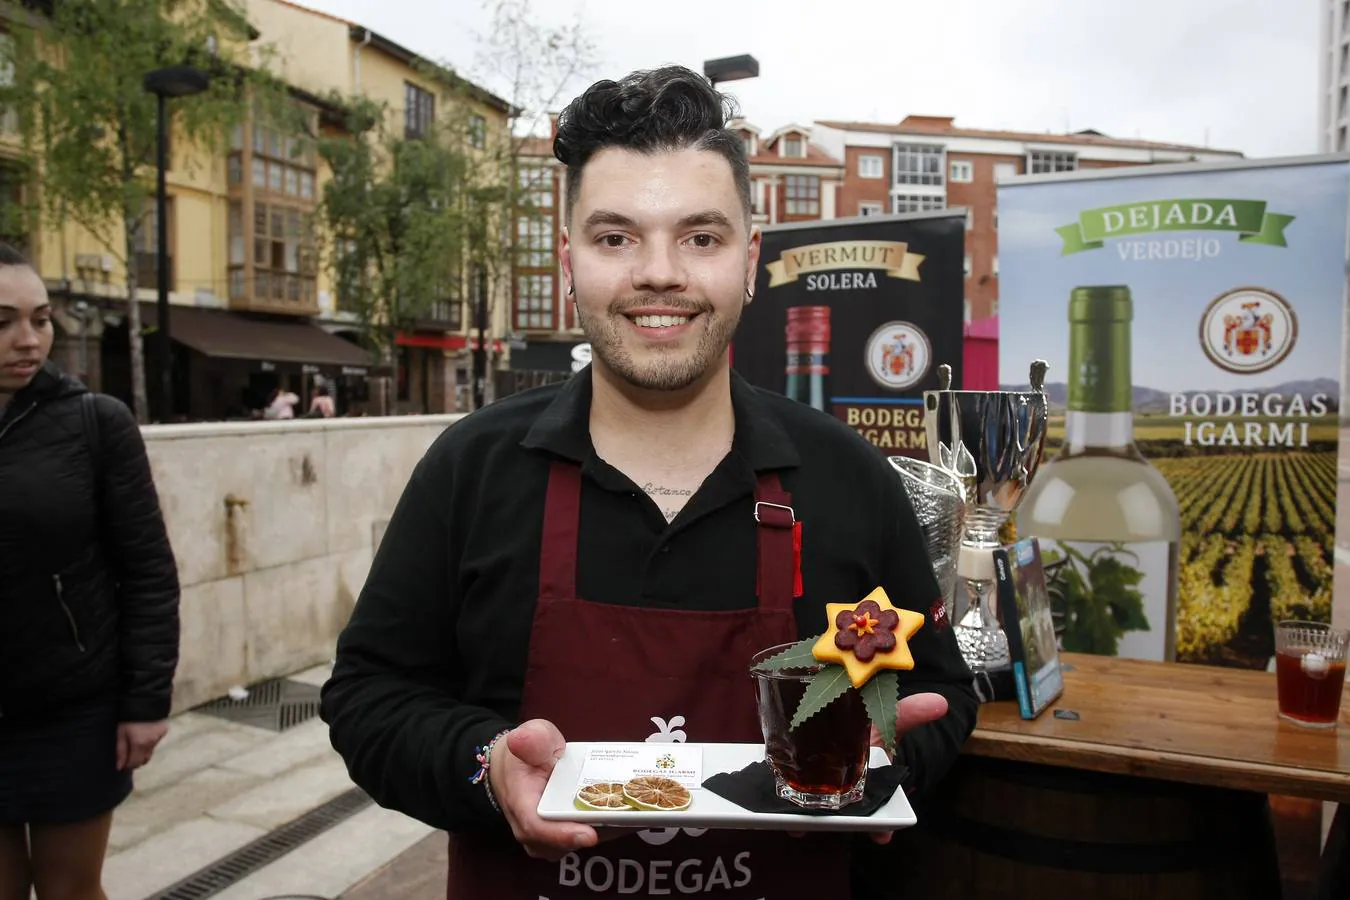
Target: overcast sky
x=1236, y=74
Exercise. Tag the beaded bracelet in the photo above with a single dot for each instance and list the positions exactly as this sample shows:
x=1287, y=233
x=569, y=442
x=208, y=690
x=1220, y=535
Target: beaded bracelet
x=484, y=757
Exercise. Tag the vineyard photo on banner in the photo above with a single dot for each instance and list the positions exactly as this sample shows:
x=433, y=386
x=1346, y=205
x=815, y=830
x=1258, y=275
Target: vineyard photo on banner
x=1197, y=311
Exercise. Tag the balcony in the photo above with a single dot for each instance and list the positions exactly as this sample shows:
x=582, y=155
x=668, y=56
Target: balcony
x=443, y=315
x=285, y=293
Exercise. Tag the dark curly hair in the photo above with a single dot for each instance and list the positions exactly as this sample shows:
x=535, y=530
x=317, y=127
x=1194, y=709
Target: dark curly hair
x=670, y=108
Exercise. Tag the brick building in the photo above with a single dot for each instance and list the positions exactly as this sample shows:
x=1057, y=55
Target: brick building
x=792, y=180
x=927, y=162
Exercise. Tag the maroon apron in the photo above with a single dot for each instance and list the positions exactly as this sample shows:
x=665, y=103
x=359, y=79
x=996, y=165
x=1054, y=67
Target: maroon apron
x=603, y=672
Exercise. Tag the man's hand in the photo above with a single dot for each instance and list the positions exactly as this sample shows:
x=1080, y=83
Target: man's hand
x=521, y=764
x=136, y=742
x=910, y=713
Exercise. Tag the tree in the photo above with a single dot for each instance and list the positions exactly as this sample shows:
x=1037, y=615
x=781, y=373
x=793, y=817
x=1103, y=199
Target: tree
x=536, y=65
x=89, y=125
x=396, y=215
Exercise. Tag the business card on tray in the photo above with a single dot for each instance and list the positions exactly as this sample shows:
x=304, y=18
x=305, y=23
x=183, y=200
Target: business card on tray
x=623, y=762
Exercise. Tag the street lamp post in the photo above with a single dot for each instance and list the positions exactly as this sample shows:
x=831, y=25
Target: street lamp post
x=730, y=68
x=172, y=81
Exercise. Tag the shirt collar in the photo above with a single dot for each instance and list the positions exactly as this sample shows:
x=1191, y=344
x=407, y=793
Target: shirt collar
x=564, y=426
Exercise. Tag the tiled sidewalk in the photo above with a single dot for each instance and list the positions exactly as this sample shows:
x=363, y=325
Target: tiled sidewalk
x=214, y=786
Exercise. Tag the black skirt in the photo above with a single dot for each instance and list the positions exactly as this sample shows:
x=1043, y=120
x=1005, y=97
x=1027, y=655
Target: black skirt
x=60, y=767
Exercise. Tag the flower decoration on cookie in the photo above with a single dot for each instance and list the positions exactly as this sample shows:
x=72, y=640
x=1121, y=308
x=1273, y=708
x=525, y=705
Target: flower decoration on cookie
x=866, y=643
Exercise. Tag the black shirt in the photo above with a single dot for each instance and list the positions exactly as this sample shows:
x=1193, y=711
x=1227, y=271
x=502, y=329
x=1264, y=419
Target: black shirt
x=432, y=663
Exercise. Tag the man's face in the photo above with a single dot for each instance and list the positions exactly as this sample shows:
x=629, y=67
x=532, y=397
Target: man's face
x=25, y=327
x=658, y=250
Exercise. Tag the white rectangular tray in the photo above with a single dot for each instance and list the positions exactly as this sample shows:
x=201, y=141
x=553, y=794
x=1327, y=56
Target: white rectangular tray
x=709, y=810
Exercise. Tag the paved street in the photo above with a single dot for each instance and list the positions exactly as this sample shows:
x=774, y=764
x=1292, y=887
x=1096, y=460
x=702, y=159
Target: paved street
x=215, y=786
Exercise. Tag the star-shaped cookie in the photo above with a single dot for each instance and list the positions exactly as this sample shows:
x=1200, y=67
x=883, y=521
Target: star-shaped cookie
x=868, y=636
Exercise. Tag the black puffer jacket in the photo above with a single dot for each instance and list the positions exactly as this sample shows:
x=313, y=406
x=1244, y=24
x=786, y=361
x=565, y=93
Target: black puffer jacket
x=88, y=582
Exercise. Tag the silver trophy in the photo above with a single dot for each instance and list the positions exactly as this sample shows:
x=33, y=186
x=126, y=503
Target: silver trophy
x=992, y=442
x=939, y=501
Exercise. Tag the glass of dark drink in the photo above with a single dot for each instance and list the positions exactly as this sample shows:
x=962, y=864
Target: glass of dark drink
x=1310, y=672
x=822, y=763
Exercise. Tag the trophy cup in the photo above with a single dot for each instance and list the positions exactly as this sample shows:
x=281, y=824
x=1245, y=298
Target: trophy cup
x=939, y=501
x=992, y=442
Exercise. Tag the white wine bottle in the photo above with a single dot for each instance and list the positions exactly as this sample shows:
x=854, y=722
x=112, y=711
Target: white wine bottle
x=1100, y=502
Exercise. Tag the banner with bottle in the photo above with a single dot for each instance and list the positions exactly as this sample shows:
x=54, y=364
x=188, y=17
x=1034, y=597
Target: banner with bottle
x=1192, y=319
x=854, y=316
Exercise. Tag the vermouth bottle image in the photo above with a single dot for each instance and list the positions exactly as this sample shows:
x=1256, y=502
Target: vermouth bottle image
x=808, y=354
x=1100, y=497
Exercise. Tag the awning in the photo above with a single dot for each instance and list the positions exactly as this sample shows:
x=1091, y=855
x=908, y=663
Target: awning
x=226, y=335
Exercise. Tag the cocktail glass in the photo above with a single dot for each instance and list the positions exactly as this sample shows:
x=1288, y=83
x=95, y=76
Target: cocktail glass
x=822, y=763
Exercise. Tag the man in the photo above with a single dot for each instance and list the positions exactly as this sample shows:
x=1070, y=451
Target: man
x=585, y=561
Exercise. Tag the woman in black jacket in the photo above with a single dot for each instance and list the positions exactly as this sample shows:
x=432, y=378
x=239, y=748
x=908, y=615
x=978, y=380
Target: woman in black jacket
x=88, y=608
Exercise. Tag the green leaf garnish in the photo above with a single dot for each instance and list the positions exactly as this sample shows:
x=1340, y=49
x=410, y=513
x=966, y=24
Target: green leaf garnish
x=798, y=655
x=880, y=695
x=826, y=685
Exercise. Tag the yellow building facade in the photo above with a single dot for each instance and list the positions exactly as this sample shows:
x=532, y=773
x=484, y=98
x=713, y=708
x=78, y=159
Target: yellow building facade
x=252, y=307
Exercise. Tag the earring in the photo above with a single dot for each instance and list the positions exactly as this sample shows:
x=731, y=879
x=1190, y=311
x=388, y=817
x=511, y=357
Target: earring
x=749, y=295
x=571, y=289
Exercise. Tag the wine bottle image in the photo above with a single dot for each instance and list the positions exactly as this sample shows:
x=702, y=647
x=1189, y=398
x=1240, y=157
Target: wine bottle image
x=808, y=354
x=1109, y=523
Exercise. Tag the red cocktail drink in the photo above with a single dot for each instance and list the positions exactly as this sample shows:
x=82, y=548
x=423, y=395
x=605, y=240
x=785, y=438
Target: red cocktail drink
x=1310, y=672
x=822, y=763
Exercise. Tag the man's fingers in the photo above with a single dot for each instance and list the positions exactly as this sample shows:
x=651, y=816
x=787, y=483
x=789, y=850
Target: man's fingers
x=917, y=710
x=881, y=837
x=537, y=744
x=554, y=840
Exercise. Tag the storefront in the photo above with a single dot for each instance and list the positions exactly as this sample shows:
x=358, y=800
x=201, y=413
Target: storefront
x=227, y=365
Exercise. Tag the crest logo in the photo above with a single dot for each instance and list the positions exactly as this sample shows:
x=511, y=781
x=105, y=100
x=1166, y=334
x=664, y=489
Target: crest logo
x=1248, y=330
x=665, y=761
x=898, y=355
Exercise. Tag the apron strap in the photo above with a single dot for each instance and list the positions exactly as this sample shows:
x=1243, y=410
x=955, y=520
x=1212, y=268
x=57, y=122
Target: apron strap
x=562, y=523
x=778, y=577
x=778, y=529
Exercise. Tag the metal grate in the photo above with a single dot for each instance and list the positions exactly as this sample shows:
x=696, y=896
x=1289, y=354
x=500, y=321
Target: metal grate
x=276, y=705
x=229, y=870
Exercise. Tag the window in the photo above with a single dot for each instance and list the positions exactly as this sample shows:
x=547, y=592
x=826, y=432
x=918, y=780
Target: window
x=869, y=209
x=908, y=203
x=534, y=241
x=1042, y=161
x=995, y=264
x=794, y=146
x=871, y=166
x=996, y=220
x=236, y=234
x=918, y=164
x=536, y=187
x=419, y=111
x=534, y=302
x=970, y=220
x=284, y=261
x=962, y=171
x=968, y=265
x=1004, y=170
x=749, y=142
x=477, y=131
x=803, y=195
x=147, y=246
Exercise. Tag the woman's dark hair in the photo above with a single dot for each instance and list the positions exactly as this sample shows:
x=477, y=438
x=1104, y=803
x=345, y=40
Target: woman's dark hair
x=649, y=111
x=321, y=389
x=9, y=256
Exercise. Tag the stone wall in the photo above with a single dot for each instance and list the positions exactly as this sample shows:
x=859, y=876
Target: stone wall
x=274, y=526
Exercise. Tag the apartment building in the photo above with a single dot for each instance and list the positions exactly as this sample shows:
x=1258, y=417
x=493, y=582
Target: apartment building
x=928, y=162
x=792, y=180
x=317, y=53
x=252, y=307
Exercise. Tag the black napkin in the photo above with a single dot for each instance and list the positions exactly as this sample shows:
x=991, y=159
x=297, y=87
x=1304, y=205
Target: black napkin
x=753, y=788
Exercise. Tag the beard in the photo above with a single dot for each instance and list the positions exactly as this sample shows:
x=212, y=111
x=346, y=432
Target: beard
x=663, y=367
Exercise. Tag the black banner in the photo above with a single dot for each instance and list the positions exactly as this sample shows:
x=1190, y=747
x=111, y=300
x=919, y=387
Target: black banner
x=854, y=317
